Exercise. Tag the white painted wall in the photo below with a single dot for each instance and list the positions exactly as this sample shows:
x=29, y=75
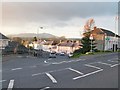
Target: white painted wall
x=3, y=43
x=109, y=43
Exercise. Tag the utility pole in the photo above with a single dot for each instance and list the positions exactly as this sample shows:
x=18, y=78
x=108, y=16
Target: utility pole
x=91, y=38
x=38, y=31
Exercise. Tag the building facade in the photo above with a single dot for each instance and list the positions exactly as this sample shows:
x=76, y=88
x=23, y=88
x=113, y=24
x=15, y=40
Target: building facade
x=4, y=41
x=105, y=39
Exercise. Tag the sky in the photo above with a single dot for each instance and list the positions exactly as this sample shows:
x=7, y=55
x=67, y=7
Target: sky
x=57, y=18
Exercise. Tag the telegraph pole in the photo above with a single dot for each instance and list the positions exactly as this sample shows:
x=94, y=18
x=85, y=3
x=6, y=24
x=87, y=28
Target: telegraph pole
x=91, y=38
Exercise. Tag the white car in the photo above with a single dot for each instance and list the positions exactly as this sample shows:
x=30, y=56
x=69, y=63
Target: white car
x=62, y=54
x=52, y=55
x=70, y=54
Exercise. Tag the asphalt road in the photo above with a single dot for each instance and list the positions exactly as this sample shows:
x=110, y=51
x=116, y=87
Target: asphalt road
x=97, y=71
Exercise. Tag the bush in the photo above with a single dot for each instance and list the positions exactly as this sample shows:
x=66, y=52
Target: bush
x=78, y=51
x=89, y=53
x=96, y=50
x=76, y=55
x=107, y=51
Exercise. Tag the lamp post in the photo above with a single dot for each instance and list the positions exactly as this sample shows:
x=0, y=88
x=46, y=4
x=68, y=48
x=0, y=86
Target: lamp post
x=91, y=38
x=38, y=31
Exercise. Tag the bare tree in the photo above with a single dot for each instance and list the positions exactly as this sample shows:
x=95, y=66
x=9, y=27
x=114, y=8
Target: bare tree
x=89, y=25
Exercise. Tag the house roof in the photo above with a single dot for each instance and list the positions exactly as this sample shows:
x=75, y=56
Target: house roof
x=69, y=44
x=3, y=36
x=109, y=33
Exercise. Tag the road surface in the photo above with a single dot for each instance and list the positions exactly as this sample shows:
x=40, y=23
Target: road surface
x=95, y=71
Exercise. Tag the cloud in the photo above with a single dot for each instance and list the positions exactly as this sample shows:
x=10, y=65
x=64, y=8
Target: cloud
x=58, y=18
x=50, y=12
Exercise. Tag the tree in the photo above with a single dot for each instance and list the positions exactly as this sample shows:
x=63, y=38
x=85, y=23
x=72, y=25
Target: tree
x=86, y=43
x=35, y=39
x=90, y=24
x=17, y=39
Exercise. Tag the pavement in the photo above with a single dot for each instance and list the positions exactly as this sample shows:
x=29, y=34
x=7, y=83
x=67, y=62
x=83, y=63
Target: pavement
x=94, y=71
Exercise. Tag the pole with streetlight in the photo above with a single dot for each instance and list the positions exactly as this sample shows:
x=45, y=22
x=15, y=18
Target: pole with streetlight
x=38, y=31
x=91, y=38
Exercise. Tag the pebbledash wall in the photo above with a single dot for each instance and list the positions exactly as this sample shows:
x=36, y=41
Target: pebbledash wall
x=112, y=43
x=105, y=39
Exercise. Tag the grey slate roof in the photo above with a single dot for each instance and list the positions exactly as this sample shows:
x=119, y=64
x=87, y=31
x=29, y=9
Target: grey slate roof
x=3, y=36
x=109, y=33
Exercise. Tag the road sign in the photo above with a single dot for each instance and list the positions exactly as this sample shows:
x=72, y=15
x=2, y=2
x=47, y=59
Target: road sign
x=107, y=38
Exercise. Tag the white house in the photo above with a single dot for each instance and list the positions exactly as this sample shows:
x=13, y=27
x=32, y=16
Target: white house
x=68, y=47
x=4, y=41
x=105, y=39
x=112, y=43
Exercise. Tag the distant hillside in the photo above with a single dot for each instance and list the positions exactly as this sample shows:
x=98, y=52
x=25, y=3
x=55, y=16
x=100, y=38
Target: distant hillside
x=25, y=35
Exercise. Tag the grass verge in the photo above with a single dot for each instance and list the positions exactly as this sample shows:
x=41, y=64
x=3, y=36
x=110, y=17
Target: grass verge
x=77, y=55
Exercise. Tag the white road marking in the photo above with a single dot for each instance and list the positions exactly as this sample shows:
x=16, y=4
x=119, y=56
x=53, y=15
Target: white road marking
x=50, y=71
x=113, y=61
x=45, y=88
x=105, y=63
x=87, y=74
x=49, y=59
x=16, y=69
x=68, y=61
x=2, y=81
x=115, y=65
x=76, y=71
x=92, y=66
x=59, y=62
x=92, y=63
x=19, y=56
x=38, y=74
x=51, y=77
x=11, y=84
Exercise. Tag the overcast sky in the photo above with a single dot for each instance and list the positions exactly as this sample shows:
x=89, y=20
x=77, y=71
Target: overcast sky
x=58, y=18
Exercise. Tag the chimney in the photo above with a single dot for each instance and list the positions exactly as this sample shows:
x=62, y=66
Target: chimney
x=95, y=28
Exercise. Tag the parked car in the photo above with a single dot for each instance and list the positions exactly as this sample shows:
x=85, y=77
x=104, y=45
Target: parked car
x=62, y=54
x=52, y=55
x=70, y=55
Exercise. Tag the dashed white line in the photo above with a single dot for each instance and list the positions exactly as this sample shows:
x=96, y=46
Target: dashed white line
x=11, y=84
x=50, y=71
x=113, y=61
x=2, y=81
x=93, y=63
x=16, y=69
x=105, y=63
x=115, y=65
x=92, y=66
x=38, y=74
x=51, y=77
x=76, y=71
x=68, y=61
x=49, y=59
x=87, y=74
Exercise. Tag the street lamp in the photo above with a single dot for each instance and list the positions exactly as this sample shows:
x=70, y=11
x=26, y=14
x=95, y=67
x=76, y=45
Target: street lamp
x=38, y=31
x=91, y=38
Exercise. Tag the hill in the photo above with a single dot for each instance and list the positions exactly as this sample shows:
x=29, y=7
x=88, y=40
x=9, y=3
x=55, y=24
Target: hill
x=31, y=35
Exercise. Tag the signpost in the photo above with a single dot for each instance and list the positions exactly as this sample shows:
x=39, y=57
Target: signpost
x=91, y=38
